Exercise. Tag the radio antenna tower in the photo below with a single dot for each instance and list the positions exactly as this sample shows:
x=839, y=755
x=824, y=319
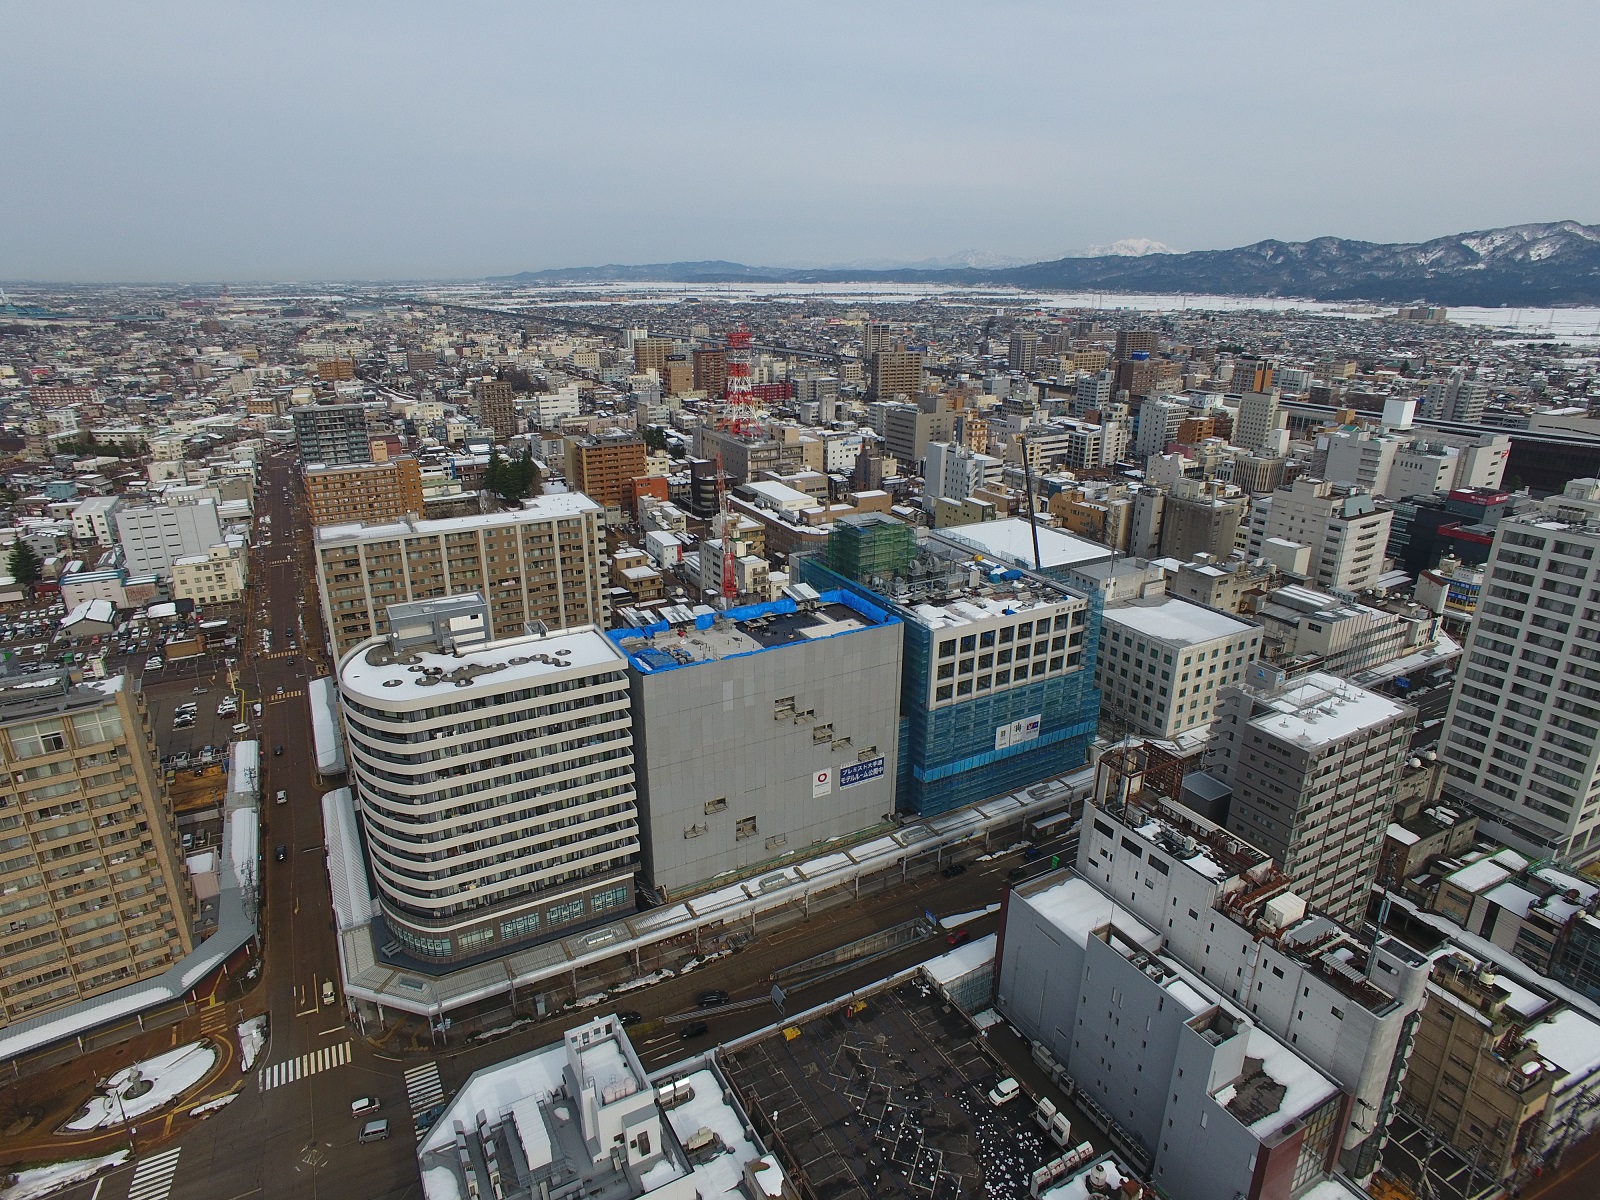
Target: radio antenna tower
x=737, y=388
x=727, y=523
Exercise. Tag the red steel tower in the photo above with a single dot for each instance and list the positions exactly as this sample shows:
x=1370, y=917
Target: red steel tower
x=737, y=388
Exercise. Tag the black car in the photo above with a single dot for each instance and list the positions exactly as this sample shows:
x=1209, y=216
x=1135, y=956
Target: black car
x=277, y=750
x=628, y=1017
x=711, y=999
x=694, y=1030
x=281, y=854
x=953, y=870
x=1016, y=872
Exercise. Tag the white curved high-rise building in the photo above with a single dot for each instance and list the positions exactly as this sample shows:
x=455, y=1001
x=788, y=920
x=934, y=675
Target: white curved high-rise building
x=495, y=780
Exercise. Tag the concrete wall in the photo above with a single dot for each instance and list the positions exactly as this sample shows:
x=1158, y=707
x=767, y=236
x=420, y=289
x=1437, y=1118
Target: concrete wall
x=707, y=732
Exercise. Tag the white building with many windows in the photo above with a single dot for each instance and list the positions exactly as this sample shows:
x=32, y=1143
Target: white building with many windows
x=1162, y=660
x=1522, y=739
x=494, y=779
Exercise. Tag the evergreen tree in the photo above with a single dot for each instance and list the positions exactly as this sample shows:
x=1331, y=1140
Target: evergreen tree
x=24, y=564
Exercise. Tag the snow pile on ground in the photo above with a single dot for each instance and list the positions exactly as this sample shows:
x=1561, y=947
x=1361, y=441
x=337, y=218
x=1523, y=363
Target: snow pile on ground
x=643, y=981
x=41, y=1181
x=591, y=1001
x=700, y=960
x=252, y=1037
x=963, y=918
x=211, y=1106
x=171, y=1074
x=484, y=1035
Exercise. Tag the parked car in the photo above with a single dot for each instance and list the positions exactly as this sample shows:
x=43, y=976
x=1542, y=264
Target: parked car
x=712, y=999
x=953, y=870
x=1004, y=1092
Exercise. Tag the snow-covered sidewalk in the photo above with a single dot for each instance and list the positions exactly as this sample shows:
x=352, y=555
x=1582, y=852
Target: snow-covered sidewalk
x=170, y=1076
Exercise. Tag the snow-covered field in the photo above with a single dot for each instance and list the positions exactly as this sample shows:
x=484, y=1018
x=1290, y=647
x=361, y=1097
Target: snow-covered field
x=41, y=1181
x=172, y=1074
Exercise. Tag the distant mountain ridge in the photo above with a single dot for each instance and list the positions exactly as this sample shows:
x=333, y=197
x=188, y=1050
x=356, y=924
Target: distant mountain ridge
x=1554, y=263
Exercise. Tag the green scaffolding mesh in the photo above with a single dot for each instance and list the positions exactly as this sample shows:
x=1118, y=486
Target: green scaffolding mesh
x=871, y=545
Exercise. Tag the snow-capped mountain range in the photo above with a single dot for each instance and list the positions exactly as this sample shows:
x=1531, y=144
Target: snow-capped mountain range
x=1537, y=264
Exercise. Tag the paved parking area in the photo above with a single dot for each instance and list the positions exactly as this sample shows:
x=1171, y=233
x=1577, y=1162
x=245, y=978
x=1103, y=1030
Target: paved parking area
x=891, y=1103
x=163, y=699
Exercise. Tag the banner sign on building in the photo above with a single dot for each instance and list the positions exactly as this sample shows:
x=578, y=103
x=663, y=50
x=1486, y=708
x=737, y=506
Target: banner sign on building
x=1017, y=732
x=859, y=772
x=821, y=783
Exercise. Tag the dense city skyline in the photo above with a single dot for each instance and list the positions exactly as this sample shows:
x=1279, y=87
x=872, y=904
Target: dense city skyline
x=190, y=143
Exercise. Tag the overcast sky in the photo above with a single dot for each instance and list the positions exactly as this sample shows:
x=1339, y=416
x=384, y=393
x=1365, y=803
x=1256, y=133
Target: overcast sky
x=339, y=140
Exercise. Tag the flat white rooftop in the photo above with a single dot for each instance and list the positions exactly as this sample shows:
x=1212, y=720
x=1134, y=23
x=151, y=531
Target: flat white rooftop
x=1172, y=619
x=1322, y=708
x=376, y=672
x=542, y=508
x=1011, y=541
x=971, y=610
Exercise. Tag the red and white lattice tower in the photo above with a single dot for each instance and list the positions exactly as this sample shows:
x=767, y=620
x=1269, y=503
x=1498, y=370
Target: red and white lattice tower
x=737, y=388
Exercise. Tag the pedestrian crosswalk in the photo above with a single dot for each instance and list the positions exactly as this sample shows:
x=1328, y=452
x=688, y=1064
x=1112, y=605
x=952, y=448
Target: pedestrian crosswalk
x=214, y=1019
x=313, y=1063
x=286, y=695
x=423, y=1087
x=152, y=1178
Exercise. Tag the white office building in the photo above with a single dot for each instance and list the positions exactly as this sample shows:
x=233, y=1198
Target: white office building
x=1522, y=739
x=155, y=536
x=494, y=779
x=1163, y=658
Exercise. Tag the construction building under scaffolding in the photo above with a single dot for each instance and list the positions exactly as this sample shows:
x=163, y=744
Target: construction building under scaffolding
x=997, y=681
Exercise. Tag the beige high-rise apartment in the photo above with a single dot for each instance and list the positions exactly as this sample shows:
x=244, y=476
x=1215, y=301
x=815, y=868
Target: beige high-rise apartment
x=544, y=562
x=497, y=407
x=602, y=467
x=894, y=372
x=651, y=353
x=93, y=894
x=364, y=491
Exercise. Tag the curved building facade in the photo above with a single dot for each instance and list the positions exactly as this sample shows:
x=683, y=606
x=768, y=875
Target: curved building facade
x=494, y=780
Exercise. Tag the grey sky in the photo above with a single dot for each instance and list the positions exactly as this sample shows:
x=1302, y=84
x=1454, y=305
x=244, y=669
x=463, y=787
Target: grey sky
x=385, y=140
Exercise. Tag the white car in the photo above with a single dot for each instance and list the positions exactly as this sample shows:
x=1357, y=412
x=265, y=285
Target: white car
x=152, y=664
x=283, y=797
x=1004, y=1092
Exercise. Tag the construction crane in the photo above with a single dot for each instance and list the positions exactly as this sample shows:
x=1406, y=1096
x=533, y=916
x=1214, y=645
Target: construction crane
x=730, y=560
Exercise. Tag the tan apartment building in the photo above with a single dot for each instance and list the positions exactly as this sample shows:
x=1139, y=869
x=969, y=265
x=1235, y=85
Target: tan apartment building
x=380, y=491
x=894, y=372
x=651, y=353
x=93, y=894
x=497, y=408
x=544, y=562
x=1473, y=1078
x=603, y=467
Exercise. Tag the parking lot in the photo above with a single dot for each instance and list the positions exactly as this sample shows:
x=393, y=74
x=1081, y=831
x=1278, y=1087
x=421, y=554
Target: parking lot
x=892, y=1102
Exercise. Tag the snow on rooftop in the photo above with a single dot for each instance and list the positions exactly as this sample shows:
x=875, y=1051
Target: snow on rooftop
x=502, y=1088
x=1011, y=540
x=1173, y=619
x=1513, y=897
x=1306, y=1087
x=963, y=960
x=1320, y=708
x=1077, y=909
x=1403, y=835
x=518, y=658
x=1478, y=876
x=1571, y=1041
x=723, y=1174
x=546, y=507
